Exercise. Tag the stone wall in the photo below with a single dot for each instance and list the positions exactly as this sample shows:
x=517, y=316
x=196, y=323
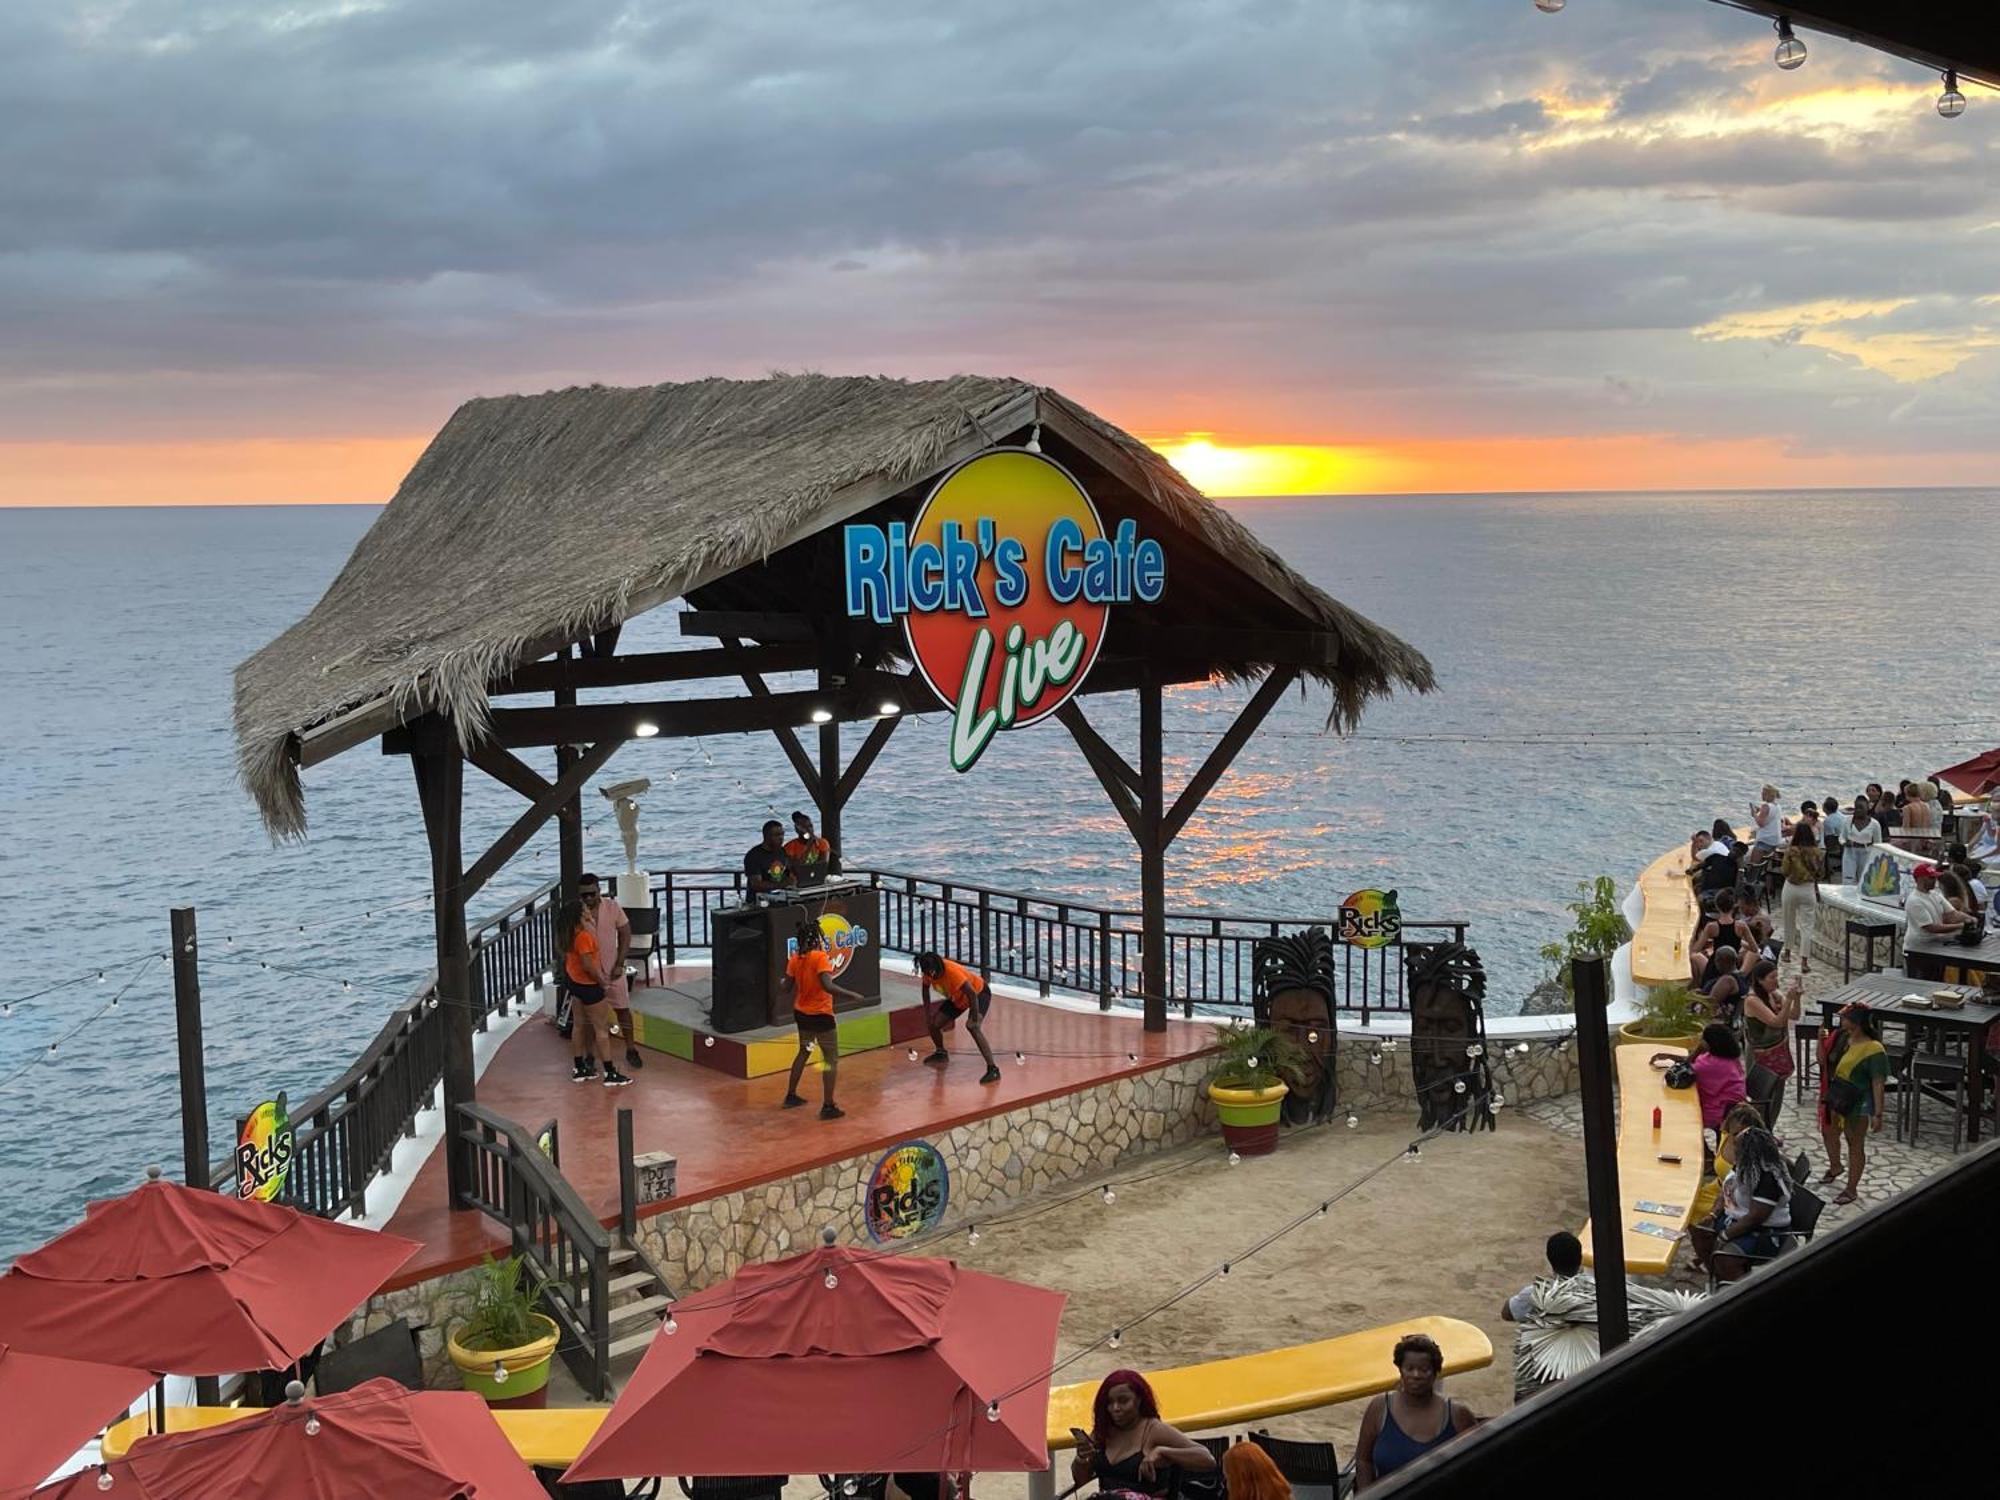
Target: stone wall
x=991, y=1163
x=1371, y=1076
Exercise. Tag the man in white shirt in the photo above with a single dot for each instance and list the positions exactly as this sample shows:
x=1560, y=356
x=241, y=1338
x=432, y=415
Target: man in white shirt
x=1925, y=911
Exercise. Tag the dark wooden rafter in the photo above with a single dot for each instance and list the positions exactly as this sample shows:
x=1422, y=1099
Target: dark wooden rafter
x=565, y=789
x=1119, y=780
x=1203, y=781
x=764, y=626
x=509, y=770
x=646, y=667
x=787, y=740
x=850, y=778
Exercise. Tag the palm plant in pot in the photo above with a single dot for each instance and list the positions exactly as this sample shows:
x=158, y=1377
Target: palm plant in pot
x=504, y=1346
x=1254, y=1070
x=1670, y=1015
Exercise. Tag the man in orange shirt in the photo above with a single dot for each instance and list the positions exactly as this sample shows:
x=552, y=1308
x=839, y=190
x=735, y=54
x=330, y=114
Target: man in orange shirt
x=962, y=995
x=812, y=991
x=811, y=856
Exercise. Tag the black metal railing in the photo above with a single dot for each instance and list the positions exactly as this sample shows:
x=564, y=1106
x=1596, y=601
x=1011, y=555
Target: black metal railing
x=510, y=952
x=561, y=1241
x=1061, y=945
x=343, y=1137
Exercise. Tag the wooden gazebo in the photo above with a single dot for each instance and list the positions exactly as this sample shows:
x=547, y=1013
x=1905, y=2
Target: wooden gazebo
x=533, y=527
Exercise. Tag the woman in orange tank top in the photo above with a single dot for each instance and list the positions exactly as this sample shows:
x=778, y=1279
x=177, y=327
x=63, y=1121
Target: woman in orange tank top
x=583, y=973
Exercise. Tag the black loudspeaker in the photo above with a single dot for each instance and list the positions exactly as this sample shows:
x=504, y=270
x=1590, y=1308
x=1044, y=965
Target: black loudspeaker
x=742, y=967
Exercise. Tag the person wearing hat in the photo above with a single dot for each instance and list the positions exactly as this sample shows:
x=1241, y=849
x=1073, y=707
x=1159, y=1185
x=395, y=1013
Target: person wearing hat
x=811, y=856
x=1926, y=912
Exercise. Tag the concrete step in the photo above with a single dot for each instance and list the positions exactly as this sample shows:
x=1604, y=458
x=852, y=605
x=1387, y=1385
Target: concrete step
x=626, y=1283
x=634, y=1343
x=645, y=1307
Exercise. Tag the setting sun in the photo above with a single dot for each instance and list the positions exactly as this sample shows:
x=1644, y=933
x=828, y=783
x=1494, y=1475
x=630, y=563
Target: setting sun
x=1274, y=468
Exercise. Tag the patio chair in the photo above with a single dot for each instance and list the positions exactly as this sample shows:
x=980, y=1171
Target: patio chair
x=1806, y=1207
x=596, y=1489
x=736, y=1487
x=390, y=1350
x=1312, y=1468
x=645, y=949
x=866, y=1486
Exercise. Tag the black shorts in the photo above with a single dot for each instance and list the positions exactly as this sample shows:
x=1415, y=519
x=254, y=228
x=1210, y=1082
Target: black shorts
x=585, y=994
x=950, y=1010
x=814, y=1023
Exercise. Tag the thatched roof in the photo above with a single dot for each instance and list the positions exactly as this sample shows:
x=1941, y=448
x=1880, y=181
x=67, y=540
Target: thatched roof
x=533, y=521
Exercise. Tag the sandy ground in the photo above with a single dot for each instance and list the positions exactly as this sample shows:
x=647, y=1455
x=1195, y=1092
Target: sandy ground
x=1454, y=1234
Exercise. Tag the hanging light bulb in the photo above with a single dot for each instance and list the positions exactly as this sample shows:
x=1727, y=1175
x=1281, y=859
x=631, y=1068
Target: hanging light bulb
x=1312, y=1036
x=1225, y=1269
x=104, y=1479
x=1951, y=103
x=972, y=1235
x=1322, y=1210
x=708, y=1041
x=1390, y=1045
x=1021, y=1059
x=1459, y=1087
x=1253, y=1064
x=1131, y=1057
x=832, y=1280
x=1790, y=51
x=1413, y=1154
x=1497, y=1101
x=1108, y=1195
x=1375, y=1058
x=670, y=1324
x=1117, y=1338
x=1034, y=443
x=1475, y=1050
x=499, y=1372
x=993, y=1411
x=1234, y=1159
x=1550, y=7
x=1353, y=1120
x=312, y=1426
x=850, y=1486
x=913, y=1054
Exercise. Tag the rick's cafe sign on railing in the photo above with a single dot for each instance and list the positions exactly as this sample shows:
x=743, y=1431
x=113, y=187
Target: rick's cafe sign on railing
x=1003, y=582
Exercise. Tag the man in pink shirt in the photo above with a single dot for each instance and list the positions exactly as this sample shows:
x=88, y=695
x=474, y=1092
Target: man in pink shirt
x=614, y=936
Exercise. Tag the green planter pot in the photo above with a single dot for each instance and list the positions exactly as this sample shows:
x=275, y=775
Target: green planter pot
x=527, y=1368
x=1249, y=1117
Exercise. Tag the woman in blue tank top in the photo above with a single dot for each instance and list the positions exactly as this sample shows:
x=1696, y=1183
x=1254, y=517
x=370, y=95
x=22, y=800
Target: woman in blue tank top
x=1404, y=1424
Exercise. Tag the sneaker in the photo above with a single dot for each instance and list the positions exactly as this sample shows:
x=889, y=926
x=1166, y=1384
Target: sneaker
x=991, y=1075
x=939, y=1056
x=792, y=1101
x=585, y=1071
x=633, y=1059
x=613, y=1079
x=830, y=1111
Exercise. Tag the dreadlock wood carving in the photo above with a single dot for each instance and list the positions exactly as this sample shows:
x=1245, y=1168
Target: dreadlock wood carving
x=1292, y=992
x=1447, y=989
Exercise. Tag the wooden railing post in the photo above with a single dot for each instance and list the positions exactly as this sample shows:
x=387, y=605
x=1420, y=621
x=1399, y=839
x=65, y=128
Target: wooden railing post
x=1104, y=960
x=628, y=1177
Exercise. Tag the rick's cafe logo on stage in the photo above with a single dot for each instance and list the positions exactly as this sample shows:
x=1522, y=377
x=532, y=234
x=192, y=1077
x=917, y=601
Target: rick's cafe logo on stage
x=907, y=1192
x=264, y=1151
x=1370, y=919
x=1003, y=582
x=841, y=938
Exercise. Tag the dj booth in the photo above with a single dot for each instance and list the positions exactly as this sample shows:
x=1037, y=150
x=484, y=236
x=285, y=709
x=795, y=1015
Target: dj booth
x=752, y=943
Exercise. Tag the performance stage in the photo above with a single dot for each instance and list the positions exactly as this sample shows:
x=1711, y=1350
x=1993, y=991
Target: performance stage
x=674, y=1018
x=729, y=1133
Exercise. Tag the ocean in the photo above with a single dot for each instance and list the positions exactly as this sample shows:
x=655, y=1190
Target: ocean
x=1613, y=670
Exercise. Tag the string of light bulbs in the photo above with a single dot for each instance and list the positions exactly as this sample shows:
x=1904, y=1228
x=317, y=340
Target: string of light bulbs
x=140, y=970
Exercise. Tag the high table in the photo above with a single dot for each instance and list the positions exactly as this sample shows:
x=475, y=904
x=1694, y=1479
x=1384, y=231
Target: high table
x=1930, y=957
x=1652, y=1234
x=1882, y=994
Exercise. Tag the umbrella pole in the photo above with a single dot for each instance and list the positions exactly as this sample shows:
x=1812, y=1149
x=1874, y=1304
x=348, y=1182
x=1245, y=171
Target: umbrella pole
x=160, y=1405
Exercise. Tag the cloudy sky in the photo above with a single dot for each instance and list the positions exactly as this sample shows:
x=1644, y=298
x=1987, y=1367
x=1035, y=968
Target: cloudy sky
x=258, y=249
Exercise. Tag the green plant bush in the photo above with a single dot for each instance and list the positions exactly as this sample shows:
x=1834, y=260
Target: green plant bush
x=1255, y=1057
x=1671, y=1010
x=1598, y=930
x=504, y=1313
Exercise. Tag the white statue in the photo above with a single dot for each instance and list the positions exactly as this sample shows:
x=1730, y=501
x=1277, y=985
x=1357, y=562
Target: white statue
x=624, y=798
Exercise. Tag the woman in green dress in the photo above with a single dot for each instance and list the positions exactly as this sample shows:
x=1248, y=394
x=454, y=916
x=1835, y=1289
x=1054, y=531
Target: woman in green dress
x=1854, y=1066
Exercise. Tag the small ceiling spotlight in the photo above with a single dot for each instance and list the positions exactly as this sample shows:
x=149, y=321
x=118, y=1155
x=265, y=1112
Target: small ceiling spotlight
x=1951, y=103
x=822, y=716
x=645, y=729
x=1790, y=51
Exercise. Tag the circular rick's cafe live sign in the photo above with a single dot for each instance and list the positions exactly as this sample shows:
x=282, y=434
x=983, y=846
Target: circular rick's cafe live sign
x=1003, y=582
x=907, y=1192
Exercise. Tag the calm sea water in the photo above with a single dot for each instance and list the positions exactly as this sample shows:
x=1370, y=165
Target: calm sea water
x=1614, y=670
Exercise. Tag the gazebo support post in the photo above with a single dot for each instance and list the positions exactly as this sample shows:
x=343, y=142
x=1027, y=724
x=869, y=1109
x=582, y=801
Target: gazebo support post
x=1152, y=859
x=441, y=789
x=831, y=680
x=569, y=821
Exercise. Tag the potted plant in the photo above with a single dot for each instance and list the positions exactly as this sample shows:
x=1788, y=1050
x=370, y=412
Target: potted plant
x=1249, y=1085
x=1670, y=1015
x=503, y=1349
x=1597, y=930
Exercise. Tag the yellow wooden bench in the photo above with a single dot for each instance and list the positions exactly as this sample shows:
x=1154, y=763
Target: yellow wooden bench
x=1642, y=1176
x=551, y=1438
x=1228, y=1392
x=1220, y=1393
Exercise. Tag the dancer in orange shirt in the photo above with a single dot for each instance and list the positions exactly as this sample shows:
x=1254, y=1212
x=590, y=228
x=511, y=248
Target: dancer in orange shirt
x=962, y=995
x=812, y=991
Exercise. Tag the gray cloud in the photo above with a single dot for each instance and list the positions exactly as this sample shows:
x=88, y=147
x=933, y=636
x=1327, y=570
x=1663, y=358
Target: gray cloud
x=1363, y=220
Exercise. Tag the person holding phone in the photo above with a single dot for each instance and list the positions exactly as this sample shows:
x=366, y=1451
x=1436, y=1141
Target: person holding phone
x=1129, y=1447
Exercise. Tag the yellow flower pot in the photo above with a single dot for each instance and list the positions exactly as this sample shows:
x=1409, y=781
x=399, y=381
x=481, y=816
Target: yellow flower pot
x=1249, y=1116
x=526, y=1380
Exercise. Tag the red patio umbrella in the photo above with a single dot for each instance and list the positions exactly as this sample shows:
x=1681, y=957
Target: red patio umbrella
x=376, y=1440
x=53, y=1407
x=177, y=1279
x=1976, y=777
x=893, y=1365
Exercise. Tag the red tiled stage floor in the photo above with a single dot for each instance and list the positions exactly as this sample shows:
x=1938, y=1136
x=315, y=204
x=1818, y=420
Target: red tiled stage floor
x=729, y=1133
